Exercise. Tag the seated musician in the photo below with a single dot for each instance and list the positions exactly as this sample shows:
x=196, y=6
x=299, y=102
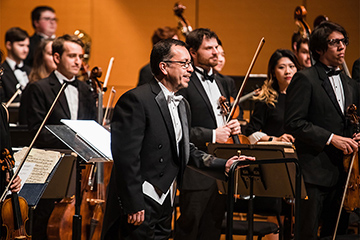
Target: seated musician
x=267, y=120
x=15, y=72
x=77, y=101
x=5, y=143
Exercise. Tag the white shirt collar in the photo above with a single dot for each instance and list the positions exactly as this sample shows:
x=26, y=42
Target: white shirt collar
x=61, y=77
x=12, y=63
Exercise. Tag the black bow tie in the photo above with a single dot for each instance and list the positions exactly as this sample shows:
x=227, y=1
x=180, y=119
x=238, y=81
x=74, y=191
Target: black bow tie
x=333, y=72
x=205, y=75
x=20, y=68
x=74, y=83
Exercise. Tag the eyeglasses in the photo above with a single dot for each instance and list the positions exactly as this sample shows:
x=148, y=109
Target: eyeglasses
x=184, y=65
x=48, y=19
x=336, y=42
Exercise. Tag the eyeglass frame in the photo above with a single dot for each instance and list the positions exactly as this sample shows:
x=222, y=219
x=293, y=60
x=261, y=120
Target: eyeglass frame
x=185, y=65
x=335, y=42
x=49, y=19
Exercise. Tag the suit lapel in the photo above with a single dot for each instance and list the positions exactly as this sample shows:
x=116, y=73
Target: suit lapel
x=328, y=88
x=203, y=94
x=185, y=131
x=82, y=93
x=347, y=93
x=55, y=88
x=164, y=109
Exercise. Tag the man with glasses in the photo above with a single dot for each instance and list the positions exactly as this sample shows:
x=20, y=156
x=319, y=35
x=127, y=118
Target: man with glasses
x=150, y=148
x=202, y=207
x=315, y=114
x=44, y=22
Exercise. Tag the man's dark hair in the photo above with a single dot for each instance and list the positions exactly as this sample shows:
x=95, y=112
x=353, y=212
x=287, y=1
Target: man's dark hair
x=58, y=44
x=162, y=51
x=36, y=13
x=195, y=38
x=163, y=33
x=319, y=37
x=300, y=41
x=15, y=34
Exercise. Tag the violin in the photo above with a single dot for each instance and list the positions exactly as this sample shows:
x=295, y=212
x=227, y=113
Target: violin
x=183, y=24
x=14, y=210
x=351, y=196
x=231, y=114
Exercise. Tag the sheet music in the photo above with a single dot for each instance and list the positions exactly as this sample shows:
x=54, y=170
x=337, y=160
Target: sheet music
x=92, y=133
x=43, y=161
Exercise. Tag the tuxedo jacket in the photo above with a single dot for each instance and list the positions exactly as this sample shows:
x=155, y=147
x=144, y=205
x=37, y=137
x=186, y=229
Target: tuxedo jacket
x=311, y=115
x=356, y=70
x=41, y=96
x=34, y=43
x=203, y=123
x=9, y=82
x=144, y=149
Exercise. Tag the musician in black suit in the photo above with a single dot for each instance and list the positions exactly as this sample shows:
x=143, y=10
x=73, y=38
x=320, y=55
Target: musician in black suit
x=44, y=22
x=356, y=70
x=15, y=72
x=316, y=102
x=75, y=103
x=150, y=147
x=202, y=207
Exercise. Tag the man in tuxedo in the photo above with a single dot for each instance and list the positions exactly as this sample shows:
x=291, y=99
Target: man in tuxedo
x=202, y=207
x=15, y=72
x=150, y=148
x=44, y=22
x=75, y=103
x=315, y=114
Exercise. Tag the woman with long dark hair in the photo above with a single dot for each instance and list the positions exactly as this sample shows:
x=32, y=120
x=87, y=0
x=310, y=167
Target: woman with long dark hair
x=267, y=120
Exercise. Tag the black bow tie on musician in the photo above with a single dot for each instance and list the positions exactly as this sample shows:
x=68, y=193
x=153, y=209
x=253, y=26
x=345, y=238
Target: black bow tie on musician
x=211, y=77
x=73, y=83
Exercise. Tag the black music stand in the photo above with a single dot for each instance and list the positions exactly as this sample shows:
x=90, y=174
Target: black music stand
x=85, y=153
x=261, y=180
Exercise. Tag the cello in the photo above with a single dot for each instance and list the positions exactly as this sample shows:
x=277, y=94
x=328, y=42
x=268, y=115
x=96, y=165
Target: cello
x=14, y=210
x=183, y=24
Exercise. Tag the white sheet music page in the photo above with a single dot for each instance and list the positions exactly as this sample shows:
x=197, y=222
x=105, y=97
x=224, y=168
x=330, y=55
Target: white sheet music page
x=93, y=133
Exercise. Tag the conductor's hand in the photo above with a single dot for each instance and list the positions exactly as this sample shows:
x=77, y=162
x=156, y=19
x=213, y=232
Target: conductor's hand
x=136, y=218
x=285, y=138
x=234, y=126
x=236, y=158
x=347, y=145
x=15, y=185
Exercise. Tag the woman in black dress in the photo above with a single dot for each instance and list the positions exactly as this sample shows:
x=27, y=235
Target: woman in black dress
x=267, y=120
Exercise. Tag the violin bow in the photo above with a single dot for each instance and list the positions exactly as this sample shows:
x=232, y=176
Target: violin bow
x=237, y=100
x=63, y=86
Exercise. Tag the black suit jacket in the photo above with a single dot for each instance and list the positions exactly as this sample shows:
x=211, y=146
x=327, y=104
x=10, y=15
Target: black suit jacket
x=9, y=82
x=34, y=43
x=203, y=123
x=356, y=70
x=41, y=96
x=145, y=75
x=144, y=149
x=311, y=115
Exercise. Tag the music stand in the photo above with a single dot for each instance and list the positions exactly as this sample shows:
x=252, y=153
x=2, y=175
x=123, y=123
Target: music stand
x=85, y=153
x=263, y=179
